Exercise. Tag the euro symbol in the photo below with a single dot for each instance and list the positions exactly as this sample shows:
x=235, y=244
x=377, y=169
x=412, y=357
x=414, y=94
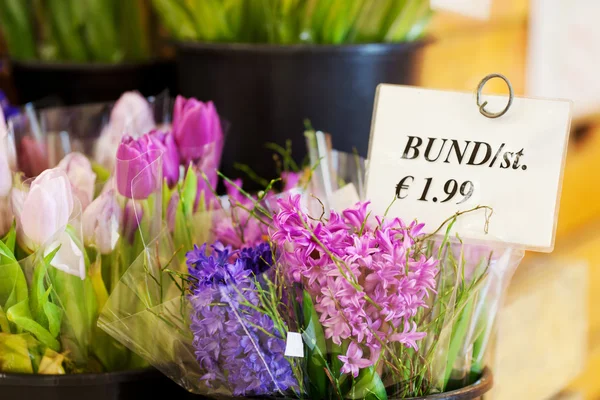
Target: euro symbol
x=403, y=186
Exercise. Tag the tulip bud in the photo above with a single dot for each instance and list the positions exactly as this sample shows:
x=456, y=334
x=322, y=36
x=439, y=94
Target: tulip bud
x=137, y=172
x=82, y=177
x=42, y=215
x=165, y=143
x=197, y=129
x=100, y=222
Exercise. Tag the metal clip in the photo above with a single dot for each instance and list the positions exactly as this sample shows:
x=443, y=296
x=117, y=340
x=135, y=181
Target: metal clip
x=481, y=106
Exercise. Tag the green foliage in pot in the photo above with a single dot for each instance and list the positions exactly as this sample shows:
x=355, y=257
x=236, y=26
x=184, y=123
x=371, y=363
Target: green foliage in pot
x=107, y=31
x=295, y=21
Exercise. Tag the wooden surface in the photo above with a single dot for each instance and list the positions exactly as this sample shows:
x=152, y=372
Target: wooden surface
x=542, y=342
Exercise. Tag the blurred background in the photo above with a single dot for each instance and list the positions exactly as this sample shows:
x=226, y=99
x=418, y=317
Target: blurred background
x=322, y=62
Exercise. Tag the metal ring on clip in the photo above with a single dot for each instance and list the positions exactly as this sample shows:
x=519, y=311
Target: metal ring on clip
x=481, y=106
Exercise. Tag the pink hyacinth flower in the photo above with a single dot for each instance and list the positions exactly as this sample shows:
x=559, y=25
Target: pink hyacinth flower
x=353, y=361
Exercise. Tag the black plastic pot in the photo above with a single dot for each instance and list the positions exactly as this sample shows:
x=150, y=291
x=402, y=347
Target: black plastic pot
x=266, y=92
x=78, y=83
x=474, y=391
x=130, y=385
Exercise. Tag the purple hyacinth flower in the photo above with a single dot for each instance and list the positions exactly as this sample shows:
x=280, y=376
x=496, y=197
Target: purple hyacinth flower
x=231, y=350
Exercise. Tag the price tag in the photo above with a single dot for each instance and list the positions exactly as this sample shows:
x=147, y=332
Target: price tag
x=294, y=346
x=434, y=154
x=472, y=8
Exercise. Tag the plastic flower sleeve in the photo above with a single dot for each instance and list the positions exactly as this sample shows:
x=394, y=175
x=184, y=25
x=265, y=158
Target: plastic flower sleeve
x=74, y=294
x=29, y=143
x=503, y=263
x=479, y=275
x=350, y=168
x=344, y=178
x=49, y=304
x=200, y=326
x=146, y=193
x=92, y=129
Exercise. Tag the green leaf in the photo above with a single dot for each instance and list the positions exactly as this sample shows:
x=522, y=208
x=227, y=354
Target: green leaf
x=13, y=286
x=4, y=325
x=102, y=174
x=316, y=349
x=17, y=27
x=77, y=300
x=14, y=354
x=39, y=293
x=54, y=315
x=367, y=386
x=189, y=190
x=19, y=315
x=177, y=19
x=10, y=238
x=459, y=333
x=67, y=20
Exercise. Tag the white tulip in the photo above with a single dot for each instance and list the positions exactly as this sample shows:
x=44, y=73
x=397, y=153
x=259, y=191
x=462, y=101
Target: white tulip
x=82, y=177
x=43, y=214
x=100, y=222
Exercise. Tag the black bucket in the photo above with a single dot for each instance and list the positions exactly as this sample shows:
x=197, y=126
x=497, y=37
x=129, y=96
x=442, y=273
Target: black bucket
x=266, y=91
x=79, y=83
x=128, y=385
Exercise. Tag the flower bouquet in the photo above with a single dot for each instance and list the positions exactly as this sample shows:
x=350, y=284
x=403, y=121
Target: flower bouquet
x=258, y=296
x=73, y=223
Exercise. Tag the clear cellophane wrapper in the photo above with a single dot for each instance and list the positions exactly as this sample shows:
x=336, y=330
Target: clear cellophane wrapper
x=48, y=308
x=219, y=328
x=40, y=138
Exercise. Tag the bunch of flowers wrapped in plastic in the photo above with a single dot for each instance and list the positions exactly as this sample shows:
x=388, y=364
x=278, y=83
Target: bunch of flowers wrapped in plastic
x=342, y=304
x=71, y=231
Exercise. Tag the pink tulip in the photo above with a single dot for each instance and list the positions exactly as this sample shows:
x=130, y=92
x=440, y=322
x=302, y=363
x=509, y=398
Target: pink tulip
x=138, y=172
x=42, y=215
x=82, y=177
x=165, y=144
x=100, y=222
x=197, y=129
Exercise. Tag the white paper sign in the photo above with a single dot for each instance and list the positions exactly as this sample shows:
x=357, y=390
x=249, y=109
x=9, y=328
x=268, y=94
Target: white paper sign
x=437, y=155
x=472, y=8
x=294, y=347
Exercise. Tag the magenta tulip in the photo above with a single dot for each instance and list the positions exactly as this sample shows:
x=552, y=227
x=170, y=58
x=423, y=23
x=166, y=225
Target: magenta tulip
x=165, y=143
x=197, y=129
x=138, y=173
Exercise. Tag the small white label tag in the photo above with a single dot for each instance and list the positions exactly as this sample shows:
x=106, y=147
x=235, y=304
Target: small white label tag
x=294, y=347
x=344, y=198
x=479, y=9
x=437, y=155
